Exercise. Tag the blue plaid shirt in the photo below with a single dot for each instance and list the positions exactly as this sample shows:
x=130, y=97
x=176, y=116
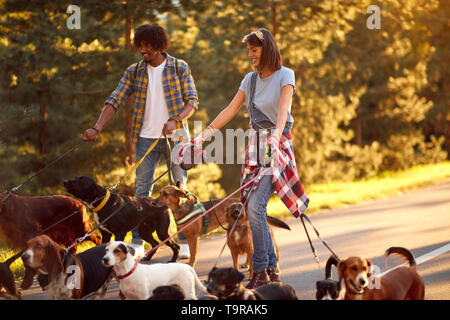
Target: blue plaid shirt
x=178, y=85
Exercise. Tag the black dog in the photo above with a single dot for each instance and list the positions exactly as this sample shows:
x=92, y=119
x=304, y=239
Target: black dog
x=225, y=284
x=328, y=289
x=172, y=292
x=7, y=279
x=128, y=212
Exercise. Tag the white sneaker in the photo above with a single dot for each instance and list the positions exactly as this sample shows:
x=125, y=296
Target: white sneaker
x=184, y=251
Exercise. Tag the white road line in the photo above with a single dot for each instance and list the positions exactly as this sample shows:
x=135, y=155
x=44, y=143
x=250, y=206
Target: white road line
x=426, y=257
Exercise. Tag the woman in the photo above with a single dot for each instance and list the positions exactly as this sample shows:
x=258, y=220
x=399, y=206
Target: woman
x=268, y=96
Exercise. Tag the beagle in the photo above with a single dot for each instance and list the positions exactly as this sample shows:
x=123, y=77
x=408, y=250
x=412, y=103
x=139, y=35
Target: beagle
x=402, y=283
x=137, y=281
x=63, y=275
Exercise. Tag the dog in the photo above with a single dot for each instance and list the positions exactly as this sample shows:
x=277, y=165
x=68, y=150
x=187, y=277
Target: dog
x=7, y=279
x=240, y=241
x=128, y=211
x=137, y=281
x=329, y=289
x=172, y=292
x=181, y=203
x=22, y=217
x=63, y=275
x=225, y=284
x=402, y=283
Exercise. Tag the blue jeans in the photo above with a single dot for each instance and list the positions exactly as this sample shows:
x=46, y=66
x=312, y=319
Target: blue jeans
x=146, y=171
x=264, y=256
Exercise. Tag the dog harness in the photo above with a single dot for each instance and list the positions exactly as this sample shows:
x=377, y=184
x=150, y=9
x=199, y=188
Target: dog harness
x=197, y=210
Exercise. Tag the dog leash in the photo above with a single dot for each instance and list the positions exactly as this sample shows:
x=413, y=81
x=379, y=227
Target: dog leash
x=200, y=216
x=138, y=163
x=209, y=195
x=81, y=239
x=239, y=215
x=232, y=229
x=304, y=217
x=16, y=188
x=45, y=230
x=314, y=252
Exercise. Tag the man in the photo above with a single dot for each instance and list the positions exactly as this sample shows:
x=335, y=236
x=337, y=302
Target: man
x=165, y=97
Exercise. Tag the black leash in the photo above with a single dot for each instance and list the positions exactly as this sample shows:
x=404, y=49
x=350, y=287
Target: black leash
x=304, y=217
x=81, y=239
x=210, y=201
x=42, y=232
x=44, y=168
x=231, y=231
x=169, y=159
x=240, y=211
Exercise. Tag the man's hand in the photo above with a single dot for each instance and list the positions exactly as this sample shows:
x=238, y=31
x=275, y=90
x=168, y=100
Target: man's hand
x=91, y=134
x=170, y=126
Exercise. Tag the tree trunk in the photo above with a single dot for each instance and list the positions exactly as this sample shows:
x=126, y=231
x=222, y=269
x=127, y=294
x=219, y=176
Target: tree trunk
x=274, y=10
x=129, y=109
x=42, y=123
x=356, y=123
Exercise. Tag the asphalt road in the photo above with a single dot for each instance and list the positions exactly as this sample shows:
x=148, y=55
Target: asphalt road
x=418, y=220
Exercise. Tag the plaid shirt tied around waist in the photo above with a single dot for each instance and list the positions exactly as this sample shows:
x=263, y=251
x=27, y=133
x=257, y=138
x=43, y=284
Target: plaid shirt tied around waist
x=178, y=85
x=284, y=173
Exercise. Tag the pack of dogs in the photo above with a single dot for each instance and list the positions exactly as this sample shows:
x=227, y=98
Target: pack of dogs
x=65, y=274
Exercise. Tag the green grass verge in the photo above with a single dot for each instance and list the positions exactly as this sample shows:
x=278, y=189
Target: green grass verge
x=389, y=183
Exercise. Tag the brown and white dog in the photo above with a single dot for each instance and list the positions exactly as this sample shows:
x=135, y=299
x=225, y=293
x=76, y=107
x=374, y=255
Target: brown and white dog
x=62, y=275
x=402, y=283
x=181, y=203
x=240, y=241
x=137, y=281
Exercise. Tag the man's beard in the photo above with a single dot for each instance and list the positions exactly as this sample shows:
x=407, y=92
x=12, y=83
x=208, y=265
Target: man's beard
x=147, y=58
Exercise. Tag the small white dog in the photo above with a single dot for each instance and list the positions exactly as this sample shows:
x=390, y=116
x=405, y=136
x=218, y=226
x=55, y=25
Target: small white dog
x=137, y=281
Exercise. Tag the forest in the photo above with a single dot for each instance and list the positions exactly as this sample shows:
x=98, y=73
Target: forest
x=367, y=99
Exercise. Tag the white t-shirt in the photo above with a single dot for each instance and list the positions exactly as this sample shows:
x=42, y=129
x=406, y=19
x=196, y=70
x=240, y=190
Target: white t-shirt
x=156, y=114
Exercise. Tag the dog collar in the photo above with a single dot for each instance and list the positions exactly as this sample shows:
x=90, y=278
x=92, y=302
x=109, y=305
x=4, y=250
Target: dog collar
x=240, y=228
x=129, y=273
x=104, y=201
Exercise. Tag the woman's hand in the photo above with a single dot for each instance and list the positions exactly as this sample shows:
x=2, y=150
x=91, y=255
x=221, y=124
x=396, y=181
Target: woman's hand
x=274, y=138
x=205, y=134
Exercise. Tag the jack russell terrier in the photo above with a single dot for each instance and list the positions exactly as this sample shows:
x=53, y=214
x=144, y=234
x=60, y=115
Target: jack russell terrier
x=137, y=281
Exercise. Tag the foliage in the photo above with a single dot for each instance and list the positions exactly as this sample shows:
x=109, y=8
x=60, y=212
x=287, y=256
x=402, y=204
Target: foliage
x=366, y=100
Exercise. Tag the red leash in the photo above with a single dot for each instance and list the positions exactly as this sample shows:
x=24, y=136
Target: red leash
x=200, y=216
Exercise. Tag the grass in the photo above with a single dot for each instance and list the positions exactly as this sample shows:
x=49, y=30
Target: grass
x=386, y=184
x=330, y=196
